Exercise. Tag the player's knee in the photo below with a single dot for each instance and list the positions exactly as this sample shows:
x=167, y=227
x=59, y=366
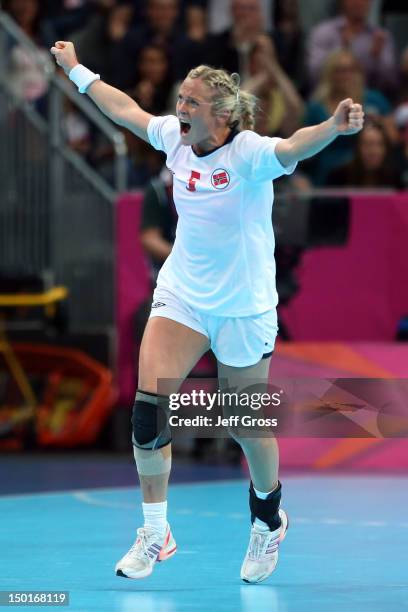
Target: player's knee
x=150, y=421
x=240, y=436
x=233, y=433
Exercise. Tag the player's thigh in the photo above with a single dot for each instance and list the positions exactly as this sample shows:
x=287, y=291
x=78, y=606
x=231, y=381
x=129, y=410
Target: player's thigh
x=233, y=376
x=238, y=380
x=169, y=350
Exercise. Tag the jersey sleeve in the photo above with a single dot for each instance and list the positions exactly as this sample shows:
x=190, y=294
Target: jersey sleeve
x=163, y=132
x=256, y=158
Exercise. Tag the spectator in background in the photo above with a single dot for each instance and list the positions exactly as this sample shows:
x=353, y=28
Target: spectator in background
x=29, y=17
x=159, y=221
x=75, y=126
x=316, y=11
x=402, y=156
x=403, y=82
x=152, y=89
x=108, y=44
x=192, y=49
x=66, y=16
x=288, y=38
x=220, y=17
x=196, y=22
x=76, y=129
x=401, y=120
x=154, y=80
x=280, y=108
x=231, y=49
x=373, y=164
x=161, y=28
x=161, y=22
x=342, y=77
x=351, y=30
x=26, y=69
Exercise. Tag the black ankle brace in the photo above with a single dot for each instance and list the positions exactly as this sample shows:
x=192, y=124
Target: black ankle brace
x=266, y=509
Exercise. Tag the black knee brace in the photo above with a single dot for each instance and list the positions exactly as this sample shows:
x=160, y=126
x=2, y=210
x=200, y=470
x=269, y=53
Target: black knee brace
x=150, y=421
x=266, y=509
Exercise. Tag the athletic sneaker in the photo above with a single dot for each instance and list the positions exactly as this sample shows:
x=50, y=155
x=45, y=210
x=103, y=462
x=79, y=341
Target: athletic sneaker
x=148, y=548
x=262, y=554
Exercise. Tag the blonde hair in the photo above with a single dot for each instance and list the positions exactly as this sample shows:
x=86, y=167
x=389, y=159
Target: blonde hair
x=324, y=88
x=228, y=96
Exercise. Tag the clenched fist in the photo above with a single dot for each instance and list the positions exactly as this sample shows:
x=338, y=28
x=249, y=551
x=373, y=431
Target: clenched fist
x=348, y=117
x=65, y=56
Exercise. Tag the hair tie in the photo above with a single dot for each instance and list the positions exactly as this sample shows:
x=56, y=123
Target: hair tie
x=236, y=79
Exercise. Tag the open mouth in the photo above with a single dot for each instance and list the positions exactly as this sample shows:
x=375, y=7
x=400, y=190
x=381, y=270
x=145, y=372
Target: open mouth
x=184, y=127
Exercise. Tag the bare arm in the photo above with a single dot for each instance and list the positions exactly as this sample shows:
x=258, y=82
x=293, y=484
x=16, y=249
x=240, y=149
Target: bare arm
x=293, y=101
x=294, y=107
x=153, y=242
x=347, y=119
x=115, y=104
x=272, y=72
x=120, y=108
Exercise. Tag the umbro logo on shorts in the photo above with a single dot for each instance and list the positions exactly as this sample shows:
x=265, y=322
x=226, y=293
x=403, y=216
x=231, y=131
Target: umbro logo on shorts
x=158, y=304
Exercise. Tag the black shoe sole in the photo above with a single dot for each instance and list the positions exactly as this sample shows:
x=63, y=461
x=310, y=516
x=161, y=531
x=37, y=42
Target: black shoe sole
x=121, y=574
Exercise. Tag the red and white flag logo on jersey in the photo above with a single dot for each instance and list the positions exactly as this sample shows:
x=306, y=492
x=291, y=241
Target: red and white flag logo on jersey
x=220, y=178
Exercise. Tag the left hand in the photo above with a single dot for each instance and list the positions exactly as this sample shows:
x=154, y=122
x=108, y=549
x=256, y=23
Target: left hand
x=348, y=117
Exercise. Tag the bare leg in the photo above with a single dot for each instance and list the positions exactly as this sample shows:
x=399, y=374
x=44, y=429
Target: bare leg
x=262, y=454
x=269, y=523
x=169, y=350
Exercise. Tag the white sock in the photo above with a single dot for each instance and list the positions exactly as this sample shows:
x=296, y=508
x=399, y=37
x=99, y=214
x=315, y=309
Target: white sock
x=155, y=516
x=260, y=525
x=261, y=494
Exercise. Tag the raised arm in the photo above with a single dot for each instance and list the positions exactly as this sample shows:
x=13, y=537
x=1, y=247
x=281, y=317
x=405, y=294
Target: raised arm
x=270, y=69
x=115, y=104
x=347, y=119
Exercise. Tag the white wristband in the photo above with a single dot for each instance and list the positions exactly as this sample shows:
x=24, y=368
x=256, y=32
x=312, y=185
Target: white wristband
x=83, y=77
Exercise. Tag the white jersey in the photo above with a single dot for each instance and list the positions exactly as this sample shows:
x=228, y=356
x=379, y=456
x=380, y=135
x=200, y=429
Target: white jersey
x=222, y=261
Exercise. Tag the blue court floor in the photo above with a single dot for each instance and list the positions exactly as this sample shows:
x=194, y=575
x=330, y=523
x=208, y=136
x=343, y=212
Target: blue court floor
x=346, y=548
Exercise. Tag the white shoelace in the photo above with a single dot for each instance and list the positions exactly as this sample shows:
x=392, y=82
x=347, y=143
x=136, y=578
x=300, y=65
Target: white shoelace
x=140, y=549
x=259, y=543
x=255, y=546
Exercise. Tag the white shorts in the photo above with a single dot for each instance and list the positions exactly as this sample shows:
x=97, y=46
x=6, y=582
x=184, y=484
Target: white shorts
x=235, y=341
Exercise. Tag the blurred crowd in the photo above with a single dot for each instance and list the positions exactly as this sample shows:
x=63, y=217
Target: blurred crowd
x=300, y=58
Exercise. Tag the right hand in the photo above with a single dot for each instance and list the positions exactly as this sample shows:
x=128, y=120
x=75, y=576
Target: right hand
x=348, y=117
x=65, y=56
